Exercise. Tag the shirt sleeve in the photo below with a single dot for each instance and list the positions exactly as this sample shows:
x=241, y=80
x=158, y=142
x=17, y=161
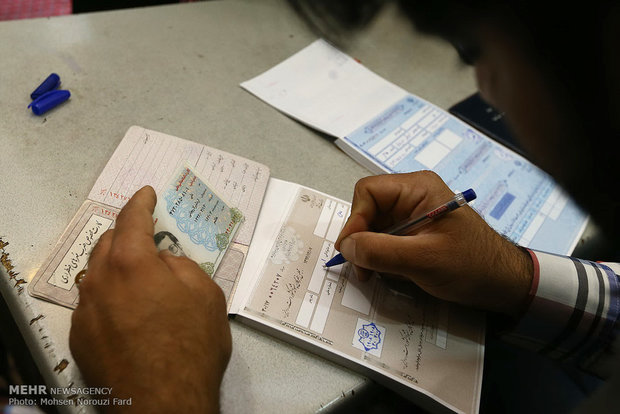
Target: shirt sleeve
x=573, y=313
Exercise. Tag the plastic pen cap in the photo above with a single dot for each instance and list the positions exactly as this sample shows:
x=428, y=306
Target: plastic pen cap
x=48, y=101
x=469, y=195
x=49, y=84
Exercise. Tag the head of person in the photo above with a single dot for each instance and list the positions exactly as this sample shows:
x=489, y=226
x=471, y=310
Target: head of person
x=164, y=240
x=553, y=68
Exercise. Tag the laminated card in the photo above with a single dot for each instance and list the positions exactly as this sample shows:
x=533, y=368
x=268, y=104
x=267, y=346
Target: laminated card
x=192, y=220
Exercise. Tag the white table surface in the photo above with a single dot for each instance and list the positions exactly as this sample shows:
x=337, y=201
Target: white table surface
x=176, y=69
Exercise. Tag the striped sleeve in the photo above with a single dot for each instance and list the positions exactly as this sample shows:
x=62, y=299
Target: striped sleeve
x=573, y=314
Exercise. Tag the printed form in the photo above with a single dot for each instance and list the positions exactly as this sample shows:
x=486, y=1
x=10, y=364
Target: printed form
x=389, y=130
x=405, y=336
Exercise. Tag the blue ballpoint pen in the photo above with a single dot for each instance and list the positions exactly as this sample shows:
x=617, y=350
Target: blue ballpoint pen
x=410, y=225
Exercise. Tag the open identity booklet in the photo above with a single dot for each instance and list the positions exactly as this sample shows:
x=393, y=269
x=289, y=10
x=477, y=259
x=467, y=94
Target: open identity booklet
x=208, y=203
x=212, y=204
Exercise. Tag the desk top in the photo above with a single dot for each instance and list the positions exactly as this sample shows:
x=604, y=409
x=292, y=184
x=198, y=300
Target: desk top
x=176, y=69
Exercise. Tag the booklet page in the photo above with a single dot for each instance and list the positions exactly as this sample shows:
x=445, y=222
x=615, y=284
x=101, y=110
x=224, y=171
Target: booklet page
x=398, y=331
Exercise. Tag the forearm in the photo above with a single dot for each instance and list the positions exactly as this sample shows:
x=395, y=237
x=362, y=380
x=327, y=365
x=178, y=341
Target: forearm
x=511, y=272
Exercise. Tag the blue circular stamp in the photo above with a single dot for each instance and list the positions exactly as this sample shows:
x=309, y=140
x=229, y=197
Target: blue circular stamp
x=369, y=336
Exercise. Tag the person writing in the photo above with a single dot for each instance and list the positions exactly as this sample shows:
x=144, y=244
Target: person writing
x=559, y=90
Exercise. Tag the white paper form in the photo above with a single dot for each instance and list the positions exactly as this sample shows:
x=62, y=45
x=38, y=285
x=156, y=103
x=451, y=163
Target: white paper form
x=276, y=203
x=326, y=89
x=399, y=337
x=389, y=130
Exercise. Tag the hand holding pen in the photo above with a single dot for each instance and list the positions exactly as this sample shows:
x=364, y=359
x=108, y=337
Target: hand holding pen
x=458, y=257
x=410, y=225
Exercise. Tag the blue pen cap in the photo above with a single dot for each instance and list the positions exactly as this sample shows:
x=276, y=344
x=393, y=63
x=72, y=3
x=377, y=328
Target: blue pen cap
x=469, y=195
x=48, y=101
x=49, y=84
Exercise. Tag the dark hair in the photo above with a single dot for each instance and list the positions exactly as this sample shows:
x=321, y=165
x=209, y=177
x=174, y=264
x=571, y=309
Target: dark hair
x=159, y=236
x=572, y=45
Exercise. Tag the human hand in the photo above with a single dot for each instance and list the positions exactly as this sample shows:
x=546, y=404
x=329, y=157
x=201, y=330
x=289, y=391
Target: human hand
x=458, y=258
x=150, y=325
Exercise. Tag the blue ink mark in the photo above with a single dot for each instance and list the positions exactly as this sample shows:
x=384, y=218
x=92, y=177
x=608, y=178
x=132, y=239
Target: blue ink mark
x=503, y=204
x=369, y=336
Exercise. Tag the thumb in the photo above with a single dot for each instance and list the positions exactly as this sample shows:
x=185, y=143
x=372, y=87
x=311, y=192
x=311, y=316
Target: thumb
x=185, y=269
x=382, y=252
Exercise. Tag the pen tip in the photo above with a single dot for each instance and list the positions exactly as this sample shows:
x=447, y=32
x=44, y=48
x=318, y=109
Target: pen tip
x=336, y=260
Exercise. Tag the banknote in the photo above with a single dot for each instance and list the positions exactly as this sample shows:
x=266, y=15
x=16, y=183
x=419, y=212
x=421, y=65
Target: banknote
x=192, y=220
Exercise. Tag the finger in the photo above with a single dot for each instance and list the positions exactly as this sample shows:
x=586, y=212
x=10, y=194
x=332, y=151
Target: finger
x=134, y=225
x=186, y=270
x=355, y=223
x=189, y=273
x=385, y=253
x=96, y=262
x=400, y=195
x=381, y=201
x=101, y=249
x=364, y=207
